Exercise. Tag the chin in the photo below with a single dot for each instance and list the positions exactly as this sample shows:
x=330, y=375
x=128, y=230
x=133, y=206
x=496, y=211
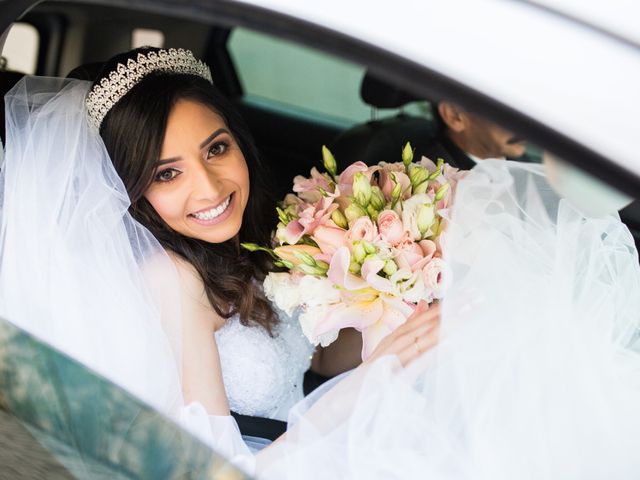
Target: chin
x=220, y=236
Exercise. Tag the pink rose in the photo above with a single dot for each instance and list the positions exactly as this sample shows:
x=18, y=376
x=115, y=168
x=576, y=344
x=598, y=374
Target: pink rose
x=362, y=229
x=308, y=188
x=408, y=253
x=392, y=167
x=387, y=183
x=329, y=239
x=429, y=250
x=390, y=226
x=309, y=217
x=346, y=177
x=428, y=164
x=436, y=277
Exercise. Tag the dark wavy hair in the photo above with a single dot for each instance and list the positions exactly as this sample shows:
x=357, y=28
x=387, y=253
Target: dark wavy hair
x=133, y=132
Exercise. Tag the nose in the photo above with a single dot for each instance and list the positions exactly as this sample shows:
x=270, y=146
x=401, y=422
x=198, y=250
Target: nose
x=205, y=184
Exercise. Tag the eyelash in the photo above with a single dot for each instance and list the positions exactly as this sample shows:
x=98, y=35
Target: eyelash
x=223, y=144
x=158, y=176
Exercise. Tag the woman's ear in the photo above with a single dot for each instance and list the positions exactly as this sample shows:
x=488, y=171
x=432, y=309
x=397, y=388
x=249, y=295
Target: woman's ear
x=455, y=118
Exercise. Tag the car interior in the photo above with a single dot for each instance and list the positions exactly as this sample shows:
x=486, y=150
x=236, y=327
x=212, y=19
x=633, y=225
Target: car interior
x=294, y=98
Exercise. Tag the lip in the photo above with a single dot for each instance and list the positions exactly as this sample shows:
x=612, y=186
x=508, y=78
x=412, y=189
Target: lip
x=220, y=218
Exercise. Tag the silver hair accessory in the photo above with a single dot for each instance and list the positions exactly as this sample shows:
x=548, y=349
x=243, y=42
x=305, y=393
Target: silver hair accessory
x=110, y=90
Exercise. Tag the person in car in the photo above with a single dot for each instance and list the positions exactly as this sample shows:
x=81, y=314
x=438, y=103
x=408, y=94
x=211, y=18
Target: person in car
x=121, y=212
x=195, y=180
x=464, y=138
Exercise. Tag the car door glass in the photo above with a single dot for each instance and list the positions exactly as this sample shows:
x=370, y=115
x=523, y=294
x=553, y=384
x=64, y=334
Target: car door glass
x=294, y=78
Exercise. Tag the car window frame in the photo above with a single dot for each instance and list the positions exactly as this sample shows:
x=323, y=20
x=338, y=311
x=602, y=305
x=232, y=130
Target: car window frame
x=415, y=78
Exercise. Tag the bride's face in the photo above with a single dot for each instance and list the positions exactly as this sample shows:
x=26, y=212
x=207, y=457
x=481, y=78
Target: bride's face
x=201, y=183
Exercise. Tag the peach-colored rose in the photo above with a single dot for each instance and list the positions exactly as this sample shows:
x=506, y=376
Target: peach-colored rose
x=362, y=229
x=288, y=252
x=390, y=226
x=329, y=239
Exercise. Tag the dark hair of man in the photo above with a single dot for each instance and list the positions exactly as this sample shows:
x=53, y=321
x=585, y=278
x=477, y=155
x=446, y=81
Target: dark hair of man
x=133, y=132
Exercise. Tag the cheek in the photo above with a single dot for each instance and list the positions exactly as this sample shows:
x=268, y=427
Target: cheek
x=165, y=205
x=242, y=179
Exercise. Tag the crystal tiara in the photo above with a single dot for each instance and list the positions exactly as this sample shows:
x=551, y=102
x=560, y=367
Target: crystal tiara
x=111, y=89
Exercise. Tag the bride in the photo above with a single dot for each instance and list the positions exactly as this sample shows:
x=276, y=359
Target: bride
x=159, y=135
x=132, y=267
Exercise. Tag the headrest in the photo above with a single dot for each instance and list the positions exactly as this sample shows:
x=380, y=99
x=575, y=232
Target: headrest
x=379, y=94
x=88, y=71
x=8, y=79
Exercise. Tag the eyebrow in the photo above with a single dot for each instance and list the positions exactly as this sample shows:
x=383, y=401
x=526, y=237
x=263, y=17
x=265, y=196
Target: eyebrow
x=203, y=144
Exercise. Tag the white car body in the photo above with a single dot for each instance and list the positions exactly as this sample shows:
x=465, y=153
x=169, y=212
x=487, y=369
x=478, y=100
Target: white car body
x=580, y=79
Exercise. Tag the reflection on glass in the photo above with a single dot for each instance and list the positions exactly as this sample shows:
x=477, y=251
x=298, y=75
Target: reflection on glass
x=89, y=427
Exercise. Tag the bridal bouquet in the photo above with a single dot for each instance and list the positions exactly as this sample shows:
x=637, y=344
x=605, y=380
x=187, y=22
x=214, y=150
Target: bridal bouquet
x=362, y=247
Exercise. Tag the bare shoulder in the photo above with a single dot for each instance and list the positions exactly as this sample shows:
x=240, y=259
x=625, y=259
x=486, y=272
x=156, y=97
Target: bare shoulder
x=194, y=298
x=190, y=280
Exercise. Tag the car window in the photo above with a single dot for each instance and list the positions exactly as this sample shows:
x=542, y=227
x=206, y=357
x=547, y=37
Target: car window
x=294, y=78
x=20, y=49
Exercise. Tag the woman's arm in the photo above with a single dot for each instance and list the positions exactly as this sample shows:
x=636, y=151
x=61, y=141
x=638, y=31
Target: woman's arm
x=342, y=355
x=201, y=371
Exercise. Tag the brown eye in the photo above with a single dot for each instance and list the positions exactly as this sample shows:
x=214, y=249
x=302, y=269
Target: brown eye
x=217, y=149
x=166, y=175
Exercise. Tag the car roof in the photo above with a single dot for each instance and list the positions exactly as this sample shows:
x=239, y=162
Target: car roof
x=616, y=17
x=579, y=78
x=565, y=83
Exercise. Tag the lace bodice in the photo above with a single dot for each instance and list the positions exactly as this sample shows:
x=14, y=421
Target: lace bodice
x=263, y=375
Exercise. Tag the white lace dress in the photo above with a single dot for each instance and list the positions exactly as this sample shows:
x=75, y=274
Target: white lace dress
x=262, y=376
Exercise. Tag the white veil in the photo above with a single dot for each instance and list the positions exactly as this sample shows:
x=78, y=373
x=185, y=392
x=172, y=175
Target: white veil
x=73, y=261
x=78, y=272
x=537, y=375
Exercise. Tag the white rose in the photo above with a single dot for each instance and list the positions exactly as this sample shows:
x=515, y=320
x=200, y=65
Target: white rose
x=308, y=320
x=410, y=210
x=436, y=276
x=317, y=294
x=281, y=290
x=317, y=291
x=409, y=286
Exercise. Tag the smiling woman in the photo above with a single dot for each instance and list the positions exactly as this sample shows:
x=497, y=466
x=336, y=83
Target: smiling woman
x=183, y=152
x=201, y=187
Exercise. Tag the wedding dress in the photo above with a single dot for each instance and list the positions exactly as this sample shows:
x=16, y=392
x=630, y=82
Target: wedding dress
x=536, y=375
x=263, y=375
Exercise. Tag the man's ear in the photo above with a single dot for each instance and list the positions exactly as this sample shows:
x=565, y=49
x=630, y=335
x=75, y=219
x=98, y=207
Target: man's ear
x=453, y=116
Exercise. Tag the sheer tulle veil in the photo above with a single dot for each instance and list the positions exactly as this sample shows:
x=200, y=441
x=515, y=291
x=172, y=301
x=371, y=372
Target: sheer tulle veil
x=79, y=273
x=537, y=374
x=75, y=269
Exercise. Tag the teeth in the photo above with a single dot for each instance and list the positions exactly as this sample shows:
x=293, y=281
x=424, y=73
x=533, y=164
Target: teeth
x=214, y=212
